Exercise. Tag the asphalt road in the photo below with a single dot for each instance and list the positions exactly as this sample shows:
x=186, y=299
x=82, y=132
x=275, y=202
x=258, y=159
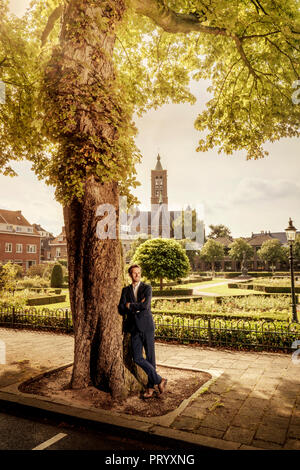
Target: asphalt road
x=26, y=429
x=24, y=433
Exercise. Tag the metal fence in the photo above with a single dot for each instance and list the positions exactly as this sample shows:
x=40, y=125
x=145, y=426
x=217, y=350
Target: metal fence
x=212, y=331
x=40, y=319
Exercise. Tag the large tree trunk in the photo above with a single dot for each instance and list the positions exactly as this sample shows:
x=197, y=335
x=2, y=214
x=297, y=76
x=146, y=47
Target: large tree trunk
x=83, y=110
x=101, y=357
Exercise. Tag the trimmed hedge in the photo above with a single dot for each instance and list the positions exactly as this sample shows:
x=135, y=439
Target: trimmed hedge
x=230, y=274
x=57, y=276
x=276, y=289
x=44, y=300
x=171, y=292
x=184, y=281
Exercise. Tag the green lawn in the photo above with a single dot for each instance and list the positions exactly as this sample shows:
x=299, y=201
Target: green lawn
x=194, y=285
x=225, y=290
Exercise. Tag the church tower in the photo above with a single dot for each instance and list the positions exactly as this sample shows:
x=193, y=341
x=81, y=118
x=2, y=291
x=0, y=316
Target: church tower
x=159, y=190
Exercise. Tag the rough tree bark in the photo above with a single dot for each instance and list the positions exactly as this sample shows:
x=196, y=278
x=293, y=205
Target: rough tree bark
x=84, y=115
x=102, y=355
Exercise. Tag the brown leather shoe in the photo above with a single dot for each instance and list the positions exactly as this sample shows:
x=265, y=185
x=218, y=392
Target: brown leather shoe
x=162, y=386
x=149, y=393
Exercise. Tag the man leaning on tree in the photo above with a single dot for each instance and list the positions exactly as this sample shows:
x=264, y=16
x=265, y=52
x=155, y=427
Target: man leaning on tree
x=135, y=303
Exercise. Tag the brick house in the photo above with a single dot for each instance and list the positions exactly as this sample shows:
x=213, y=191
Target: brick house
x=46, y=238
x=19, y=240
x=58, y=246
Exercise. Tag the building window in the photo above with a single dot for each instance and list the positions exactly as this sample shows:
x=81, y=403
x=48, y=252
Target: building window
x=19, y=229
x=9, y=227
x=8, y=247
x=19, y=248
x=31, y=248
x=57, y=252
x=29, y=229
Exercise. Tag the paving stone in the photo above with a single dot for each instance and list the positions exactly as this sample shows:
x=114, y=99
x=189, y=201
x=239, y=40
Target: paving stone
x=294, y=431
x=209, y=432
x=281, y=401
x=252, y=402
x=233, y=394
x=266, y=445
x=243, y=421
x=264, y=394
x=254, y=412
x=185, y=423
x=239, y=434
x=218, y=387
x=273, y=420
x=219, y=420
x=292, y=444
x=271, y=433
x=279, y=411
x=195, y=412
x=295, y=420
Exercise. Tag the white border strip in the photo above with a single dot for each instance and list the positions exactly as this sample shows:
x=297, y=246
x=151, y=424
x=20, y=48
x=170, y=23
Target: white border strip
x=51, y=441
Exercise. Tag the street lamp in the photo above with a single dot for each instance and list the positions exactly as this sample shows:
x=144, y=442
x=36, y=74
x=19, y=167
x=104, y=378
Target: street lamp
x=291, y=235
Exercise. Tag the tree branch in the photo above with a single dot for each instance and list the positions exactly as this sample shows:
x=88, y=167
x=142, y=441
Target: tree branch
x=173, y=22
x=55, y=15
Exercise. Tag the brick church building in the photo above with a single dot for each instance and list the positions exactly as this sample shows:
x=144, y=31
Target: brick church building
x=156, y=222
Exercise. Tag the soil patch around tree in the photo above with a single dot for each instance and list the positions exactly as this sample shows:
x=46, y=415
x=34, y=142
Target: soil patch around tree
x=181, y=385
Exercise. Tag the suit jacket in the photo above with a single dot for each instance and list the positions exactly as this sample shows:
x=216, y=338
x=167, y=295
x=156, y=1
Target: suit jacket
x=138, y=316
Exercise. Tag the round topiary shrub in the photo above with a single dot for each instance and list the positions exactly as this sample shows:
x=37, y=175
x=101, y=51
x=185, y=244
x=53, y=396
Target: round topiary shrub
x=57, y=276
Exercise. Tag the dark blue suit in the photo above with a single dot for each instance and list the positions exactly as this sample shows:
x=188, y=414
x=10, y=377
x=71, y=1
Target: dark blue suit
x=139, y=322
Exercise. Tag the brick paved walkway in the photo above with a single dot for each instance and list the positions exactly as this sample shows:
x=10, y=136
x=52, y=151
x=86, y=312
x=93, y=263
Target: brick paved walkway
x=255, y=401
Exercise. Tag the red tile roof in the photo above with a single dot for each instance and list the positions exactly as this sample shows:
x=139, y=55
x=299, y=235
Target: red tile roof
x=15, y=218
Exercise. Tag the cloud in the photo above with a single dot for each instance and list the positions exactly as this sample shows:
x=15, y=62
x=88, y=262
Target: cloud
x=36, y=200
x=251, y=190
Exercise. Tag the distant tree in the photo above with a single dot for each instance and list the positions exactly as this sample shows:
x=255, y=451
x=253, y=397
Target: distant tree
x=192, y=255
x=36, y=270
x=133, y=247
x=241, y=251
x=212, y=251
x=8, y=276
x=162, y=258
x=57, y=275
x=217, y=231
x=271, y=251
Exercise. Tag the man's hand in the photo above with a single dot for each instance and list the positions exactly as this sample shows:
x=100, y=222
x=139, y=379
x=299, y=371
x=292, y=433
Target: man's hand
x=143, y=300
x=128, y=305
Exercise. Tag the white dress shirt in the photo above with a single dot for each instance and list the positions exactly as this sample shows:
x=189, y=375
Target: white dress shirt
x=135, y=290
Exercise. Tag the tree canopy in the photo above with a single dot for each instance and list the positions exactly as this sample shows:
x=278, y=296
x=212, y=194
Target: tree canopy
x=271, y=251
x=162, y=258
x=240, y=250
x=212, y=251
x=248, y=49
x=219, y=230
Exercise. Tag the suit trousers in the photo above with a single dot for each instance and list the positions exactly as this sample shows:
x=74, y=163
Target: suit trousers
x=138, y=341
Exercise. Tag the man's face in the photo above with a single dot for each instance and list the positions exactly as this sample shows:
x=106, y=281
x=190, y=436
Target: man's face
x=135, y=275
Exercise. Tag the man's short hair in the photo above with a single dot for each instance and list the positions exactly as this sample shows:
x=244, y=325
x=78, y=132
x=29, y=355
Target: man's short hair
x=131, y=268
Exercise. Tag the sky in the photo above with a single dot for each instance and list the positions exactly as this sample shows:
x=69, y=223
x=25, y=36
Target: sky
x=245, y=195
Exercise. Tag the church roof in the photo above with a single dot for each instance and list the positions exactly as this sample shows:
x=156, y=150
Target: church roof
x=158, y=164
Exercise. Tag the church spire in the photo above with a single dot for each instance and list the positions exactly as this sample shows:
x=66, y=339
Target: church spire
x=158, y=164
